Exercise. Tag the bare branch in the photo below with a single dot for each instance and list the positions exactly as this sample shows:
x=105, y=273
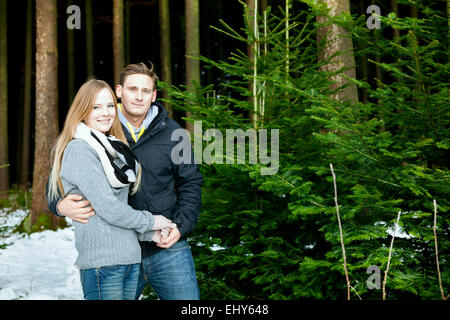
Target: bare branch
x=340, y=231
x=356, y=293
x=390, y=254
x=437, y=251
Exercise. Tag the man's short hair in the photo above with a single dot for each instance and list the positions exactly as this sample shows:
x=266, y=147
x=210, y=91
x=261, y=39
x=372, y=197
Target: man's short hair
x=139, y=68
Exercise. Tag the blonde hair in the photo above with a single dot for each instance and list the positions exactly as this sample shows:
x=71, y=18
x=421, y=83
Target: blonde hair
x=81, y=107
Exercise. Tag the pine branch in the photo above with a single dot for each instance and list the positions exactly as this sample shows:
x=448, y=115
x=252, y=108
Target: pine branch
x=340, y=231
x=437, y=252
x=421, y=80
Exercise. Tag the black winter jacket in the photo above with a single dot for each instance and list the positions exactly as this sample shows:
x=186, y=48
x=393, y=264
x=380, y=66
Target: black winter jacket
x=168, y=189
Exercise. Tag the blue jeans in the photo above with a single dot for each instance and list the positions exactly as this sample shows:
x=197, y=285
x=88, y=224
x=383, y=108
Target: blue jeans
x=171, y=273
x=118, y=282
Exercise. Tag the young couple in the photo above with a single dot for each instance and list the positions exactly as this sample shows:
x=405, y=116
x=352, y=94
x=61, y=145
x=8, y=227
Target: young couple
x=126, y=239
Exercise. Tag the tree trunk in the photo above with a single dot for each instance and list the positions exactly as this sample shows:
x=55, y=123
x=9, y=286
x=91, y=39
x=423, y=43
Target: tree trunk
x=127, y=23
x=164, y=31
x=394, y=8
x=24, y=178
x=338, y=40
x=46, y=109
x=89, y=40
x=263, y=6
x=378, y=70
x=363, y=61
x=70, y=63
x=251, y=50
x=118, y=39
x=192, y=49
x=4, y=168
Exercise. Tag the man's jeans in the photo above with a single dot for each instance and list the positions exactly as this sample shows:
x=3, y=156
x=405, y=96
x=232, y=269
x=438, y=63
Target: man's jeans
x=171, y=273
x=117, y=282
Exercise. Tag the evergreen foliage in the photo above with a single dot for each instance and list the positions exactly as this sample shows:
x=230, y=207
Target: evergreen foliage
x=277, y=236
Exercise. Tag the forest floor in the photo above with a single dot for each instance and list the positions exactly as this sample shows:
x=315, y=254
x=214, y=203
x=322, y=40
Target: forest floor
x=39, y=266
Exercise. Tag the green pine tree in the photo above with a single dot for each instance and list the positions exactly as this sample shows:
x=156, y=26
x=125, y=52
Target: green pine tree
x=276, y=236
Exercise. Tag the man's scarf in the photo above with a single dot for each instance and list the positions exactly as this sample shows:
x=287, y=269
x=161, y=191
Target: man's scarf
x=109, y=148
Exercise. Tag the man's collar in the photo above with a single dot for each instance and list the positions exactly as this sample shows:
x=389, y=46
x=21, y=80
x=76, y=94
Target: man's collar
x=136, y=133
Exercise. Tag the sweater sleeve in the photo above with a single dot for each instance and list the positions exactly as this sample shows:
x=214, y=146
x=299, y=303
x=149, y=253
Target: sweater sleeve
x=146, y=236
x=52, y=203
x=82, y=167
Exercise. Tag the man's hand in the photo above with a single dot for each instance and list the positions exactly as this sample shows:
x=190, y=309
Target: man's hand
x=160, y=234
x=171, y=239
x=74, y=207
x=157, y=236
x=165, y=232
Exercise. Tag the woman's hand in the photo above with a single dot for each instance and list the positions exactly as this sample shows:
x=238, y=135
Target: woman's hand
x=162, y=222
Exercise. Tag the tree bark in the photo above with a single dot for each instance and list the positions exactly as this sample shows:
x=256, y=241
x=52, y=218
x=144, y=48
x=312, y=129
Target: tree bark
x=89, y=40
x=46, y=107
x=263, y=6
x=127, y=32
x=24, y=179
x=363, y=61
x=118, y=39
x=378, y=70
x=338, y=40
x=4, y=159
x=164, y=31
x=192, y=49
x=70, y=63
x=251, y=50
x=394, y=8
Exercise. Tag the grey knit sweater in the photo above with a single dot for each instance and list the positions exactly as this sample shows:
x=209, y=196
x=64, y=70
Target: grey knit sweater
x=111, y=236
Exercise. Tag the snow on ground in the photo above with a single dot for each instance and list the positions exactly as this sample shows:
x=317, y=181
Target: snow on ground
x=39, y=266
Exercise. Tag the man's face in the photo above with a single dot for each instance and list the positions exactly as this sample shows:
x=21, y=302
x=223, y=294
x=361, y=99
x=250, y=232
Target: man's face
x=137, y=95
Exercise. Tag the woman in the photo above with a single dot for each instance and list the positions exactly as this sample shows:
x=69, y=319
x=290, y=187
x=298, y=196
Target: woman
x=92, y=158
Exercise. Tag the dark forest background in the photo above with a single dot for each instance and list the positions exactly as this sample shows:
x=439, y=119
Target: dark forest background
x=142, y=44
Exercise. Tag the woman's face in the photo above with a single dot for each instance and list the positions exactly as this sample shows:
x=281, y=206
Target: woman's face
x=103, y=112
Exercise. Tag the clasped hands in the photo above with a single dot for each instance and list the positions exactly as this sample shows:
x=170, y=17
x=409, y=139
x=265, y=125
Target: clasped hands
x=166, y=233
x=74, y=207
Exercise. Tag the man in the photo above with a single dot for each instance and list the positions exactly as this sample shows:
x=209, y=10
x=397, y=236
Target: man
x=168, y=189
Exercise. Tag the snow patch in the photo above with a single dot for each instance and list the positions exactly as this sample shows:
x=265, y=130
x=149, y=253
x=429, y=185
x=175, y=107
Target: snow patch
x=39, y=266
x=396, y=231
